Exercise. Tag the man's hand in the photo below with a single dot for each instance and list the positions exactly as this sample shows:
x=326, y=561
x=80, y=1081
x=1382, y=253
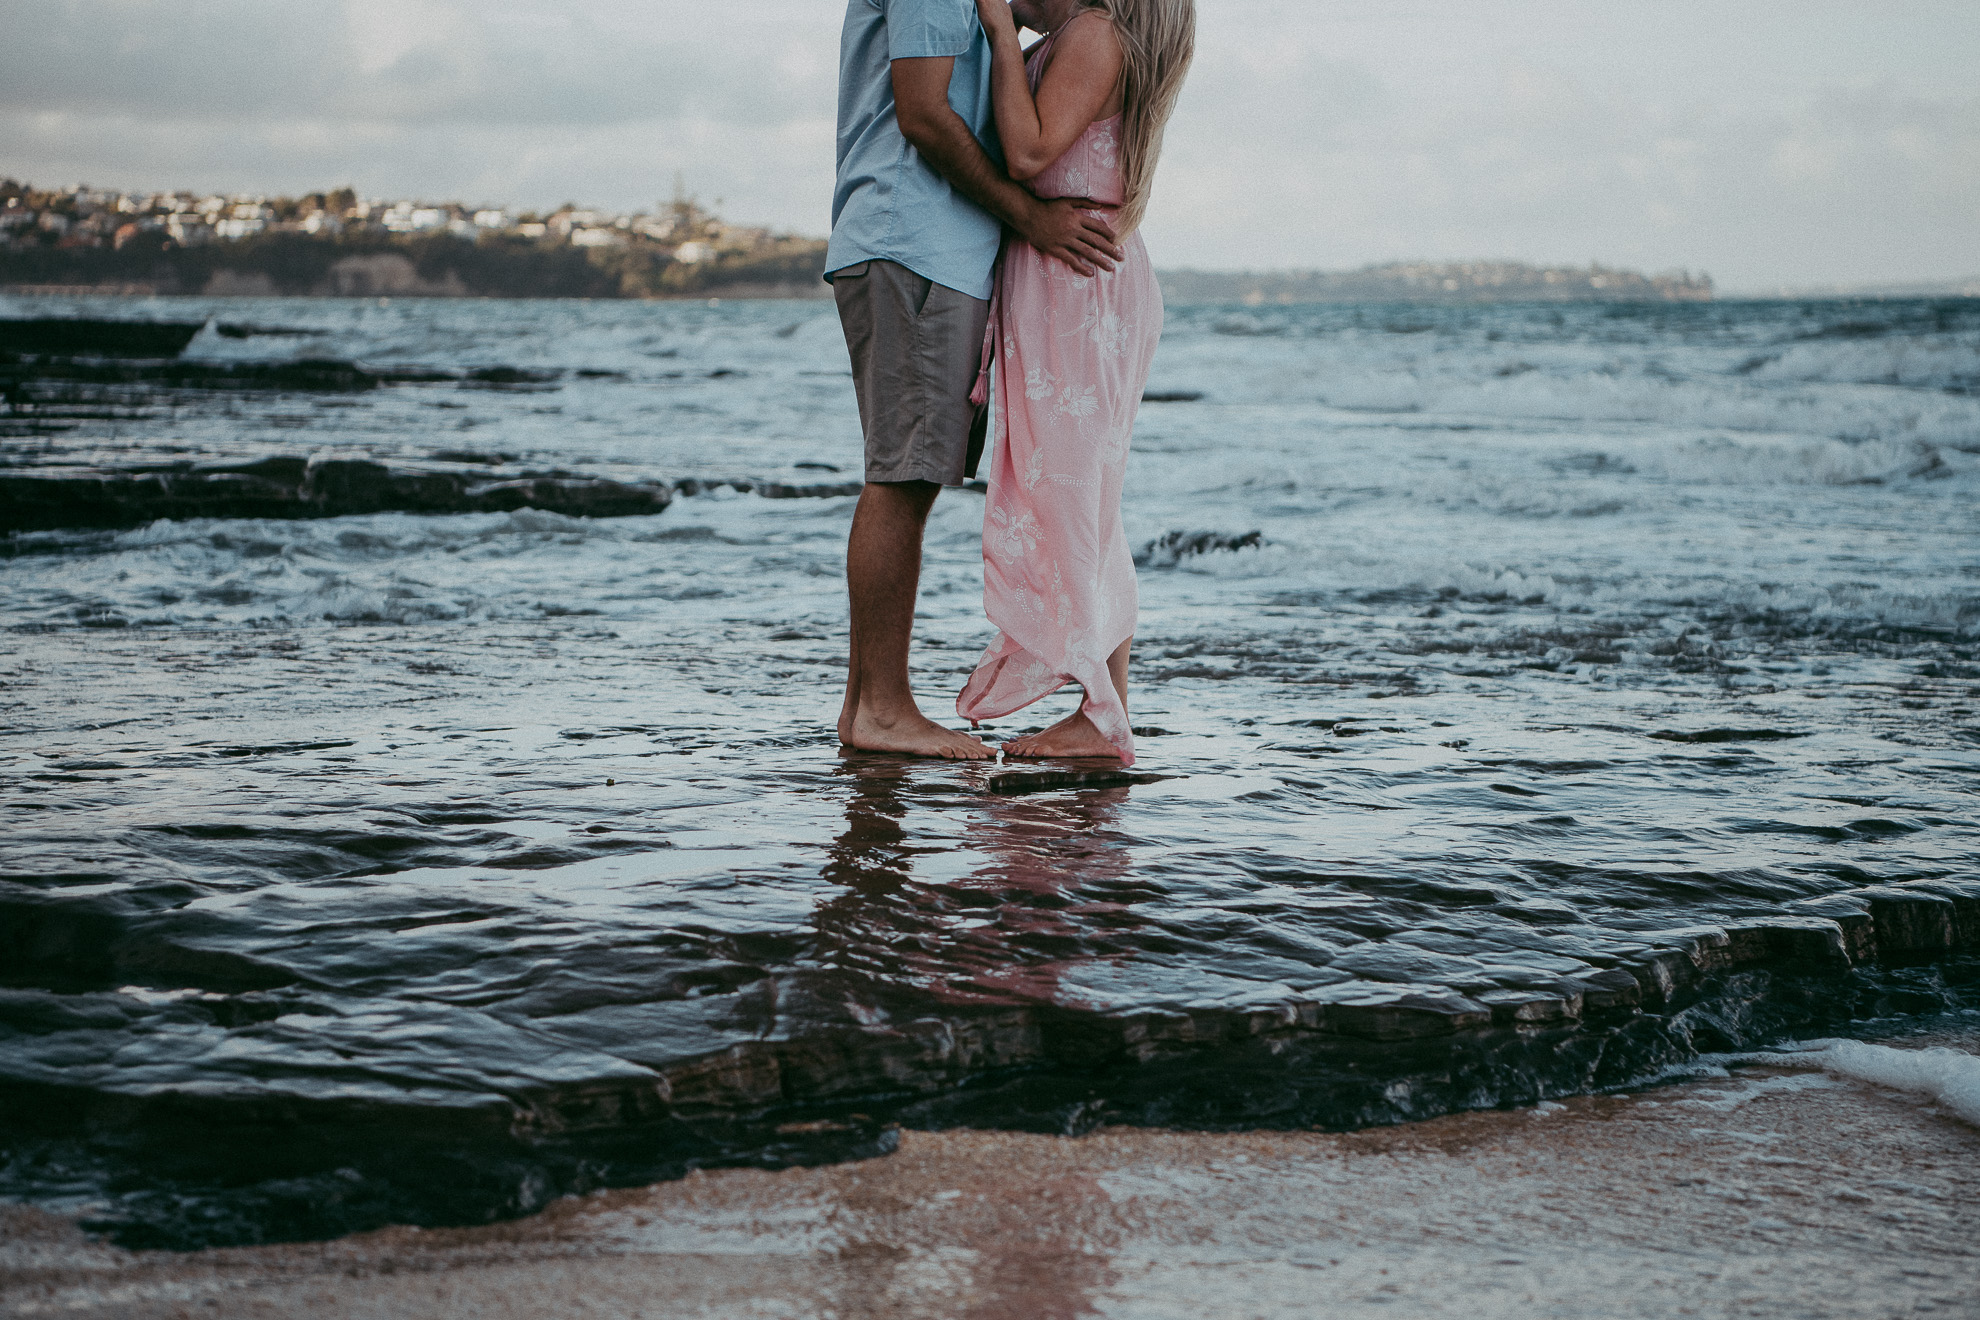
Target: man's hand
x=1061, y=229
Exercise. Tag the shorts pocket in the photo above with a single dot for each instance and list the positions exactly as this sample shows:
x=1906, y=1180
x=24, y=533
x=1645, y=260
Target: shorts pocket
x=923, y=293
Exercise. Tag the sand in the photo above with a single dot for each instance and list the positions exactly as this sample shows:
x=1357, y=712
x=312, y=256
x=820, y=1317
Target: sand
x=1773, y=1192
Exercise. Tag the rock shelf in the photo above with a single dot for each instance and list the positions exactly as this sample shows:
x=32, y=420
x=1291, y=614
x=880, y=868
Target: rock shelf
x=457, y=1115
x=1041, y=781
x=51, y=498
x=48, y=498
x=96, y=338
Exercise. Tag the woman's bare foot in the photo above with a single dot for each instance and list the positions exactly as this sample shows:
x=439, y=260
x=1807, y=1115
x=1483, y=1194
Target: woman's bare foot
x=1072, y=736
x=1015, y=746
x=910, y=734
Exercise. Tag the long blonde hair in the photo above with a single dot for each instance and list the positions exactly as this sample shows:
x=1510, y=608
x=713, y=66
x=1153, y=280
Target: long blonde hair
x=1158, y=40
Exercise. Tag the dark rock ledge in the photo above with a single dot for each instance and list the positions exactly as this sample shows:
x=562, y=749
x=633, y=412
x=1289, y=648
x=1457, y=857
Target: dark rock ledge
x=48, y=498
x=259, y=1113
x=51, y=498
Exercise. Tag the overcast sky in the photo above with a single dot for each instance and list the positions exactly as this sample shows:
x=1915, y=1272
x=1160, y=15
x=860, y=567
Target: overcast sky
x=1769, y=142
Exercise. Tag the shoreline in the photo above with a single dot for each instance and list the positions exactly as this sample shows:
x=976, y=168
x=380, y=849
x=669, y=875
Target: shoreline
x=738, y=292
x=804, y=292
x=1777, y=1189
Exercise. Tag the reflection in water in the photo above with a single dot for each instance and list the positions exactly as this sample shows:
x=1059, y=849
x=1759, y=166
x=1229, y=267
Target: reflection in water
x=1029, y=906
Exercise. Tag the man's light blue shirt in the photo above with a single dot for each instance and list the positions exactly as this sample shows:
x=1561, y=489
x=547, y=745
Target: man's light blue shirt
x=889, y=203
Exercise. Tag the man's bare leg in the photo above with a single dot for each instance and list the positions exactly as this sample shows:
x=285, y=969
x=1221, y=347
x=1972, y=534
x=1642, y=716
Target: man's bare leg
x=883, y=578
x=1075, y=735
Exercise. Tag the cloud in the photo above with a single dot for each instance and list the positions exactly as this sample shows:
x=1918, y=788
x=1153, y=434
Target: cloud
x=1539, y=163
x=412, y=63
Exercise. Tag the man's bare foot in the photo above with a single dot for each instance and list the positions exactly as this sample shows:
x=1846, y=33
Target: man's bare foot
x=1071, y=736
x=913, y=734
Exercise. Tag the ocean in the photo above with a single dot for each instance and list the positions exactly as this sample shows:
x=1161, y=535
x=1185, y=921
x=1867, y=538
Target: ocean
x=1543, y=696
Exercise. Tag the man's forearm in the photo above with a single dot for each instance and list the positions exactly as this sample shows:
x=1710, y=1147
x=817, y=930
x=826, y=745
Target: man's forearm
x=929, y=122
x=946, y=143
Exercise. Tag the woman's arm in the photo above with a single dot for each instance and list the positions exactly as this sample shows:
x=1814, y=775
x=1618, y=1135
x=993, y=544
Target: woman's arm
x=1057, y=228
x=1085, y=71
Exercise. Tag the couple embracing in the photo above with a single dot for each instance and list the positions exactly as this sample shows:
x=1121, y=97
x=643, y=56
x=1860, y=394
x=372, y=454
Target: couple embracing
x=985, y=213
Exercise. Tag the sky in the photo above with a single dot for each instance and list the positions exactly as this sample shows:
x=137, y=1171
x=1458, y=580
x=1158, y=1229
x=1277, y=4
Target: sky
x=1771, y=143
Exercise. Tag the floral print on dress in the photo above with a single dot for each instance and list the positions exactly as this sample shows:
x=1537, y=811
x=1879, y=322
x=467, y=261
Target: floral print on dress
x=1058, y=578
x=1110, y=333
x=1017, y=532
x=1077, y=401
x=1100, y=142
x=1034, y=469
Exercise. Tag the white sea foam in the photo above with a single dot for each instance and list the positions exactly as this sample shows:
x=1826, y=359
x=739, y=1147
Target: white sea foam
x=1725, y=1100
x=1948, y=1077
x=1902, y=361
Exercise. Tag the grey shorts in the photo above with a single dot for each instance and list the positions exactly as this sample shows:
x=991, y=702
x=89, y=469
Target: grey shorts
x=915, y=348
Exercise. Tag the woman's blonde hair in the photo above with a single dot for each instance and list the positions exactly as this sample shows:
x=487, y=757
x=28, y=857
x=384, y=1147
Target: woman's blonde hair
x=1158, y=39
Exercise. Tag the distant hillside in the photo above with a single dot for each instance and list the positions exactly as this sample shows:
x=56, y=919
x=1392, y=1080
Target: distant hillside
x=508, y=265
x=1966, y=288
x=1436, y=281
x=439, y=264
x=334, y=242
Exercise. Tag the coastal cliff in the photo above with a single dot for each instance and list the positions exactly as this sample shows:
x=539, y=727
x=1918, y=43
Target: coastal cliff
x=436, y=265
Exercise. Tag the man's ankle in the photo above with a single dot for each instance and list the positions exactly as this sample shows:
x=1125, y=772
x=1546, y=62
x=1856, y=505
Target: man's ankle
x=887, y=714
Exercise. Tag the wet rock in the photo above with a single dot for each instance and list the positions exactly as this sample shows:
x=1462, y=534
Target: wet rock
x=1910, y=922
x=87, y=337
x=1404, y=964
x=1171, y=548
x=237, y=330
x=472, y=456
x=1402, y=1013
x=1789, y=941
x=1726, y=735
x=1964, y=895
x=302, y=375
x=1708, y=948
x=1609, y=988
x=770, y=490
x=1040, y=781
x=1519, y=1007
x=1852, y=917
x=292, y=487
x=518, y=379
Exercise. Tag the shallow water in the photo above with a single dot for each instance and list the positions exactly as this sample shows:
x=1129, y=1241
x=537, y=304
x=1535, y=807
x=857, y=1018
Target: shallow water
x=1566, y=628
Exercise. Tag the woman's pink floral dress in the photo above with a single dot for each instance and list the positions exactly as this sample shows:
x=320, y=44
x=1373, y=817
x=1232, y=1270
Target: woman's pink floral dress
x=1073, y=359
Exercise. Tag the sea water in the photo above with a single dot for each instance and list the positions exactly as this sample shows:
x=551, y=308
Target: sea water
x=1562, y=628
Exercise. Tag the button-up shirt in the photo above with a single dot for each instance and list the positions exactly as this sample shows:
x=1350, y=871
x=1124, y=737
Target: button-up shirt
x=889, y=203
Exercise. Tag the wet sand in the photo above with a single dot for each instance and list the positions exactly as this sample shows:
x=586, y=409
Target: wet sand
x=1774, y=1192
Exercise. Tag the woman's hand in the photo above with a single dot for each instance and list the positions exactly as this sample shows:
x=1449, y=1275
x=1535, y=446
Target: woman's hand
x=996, y=15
